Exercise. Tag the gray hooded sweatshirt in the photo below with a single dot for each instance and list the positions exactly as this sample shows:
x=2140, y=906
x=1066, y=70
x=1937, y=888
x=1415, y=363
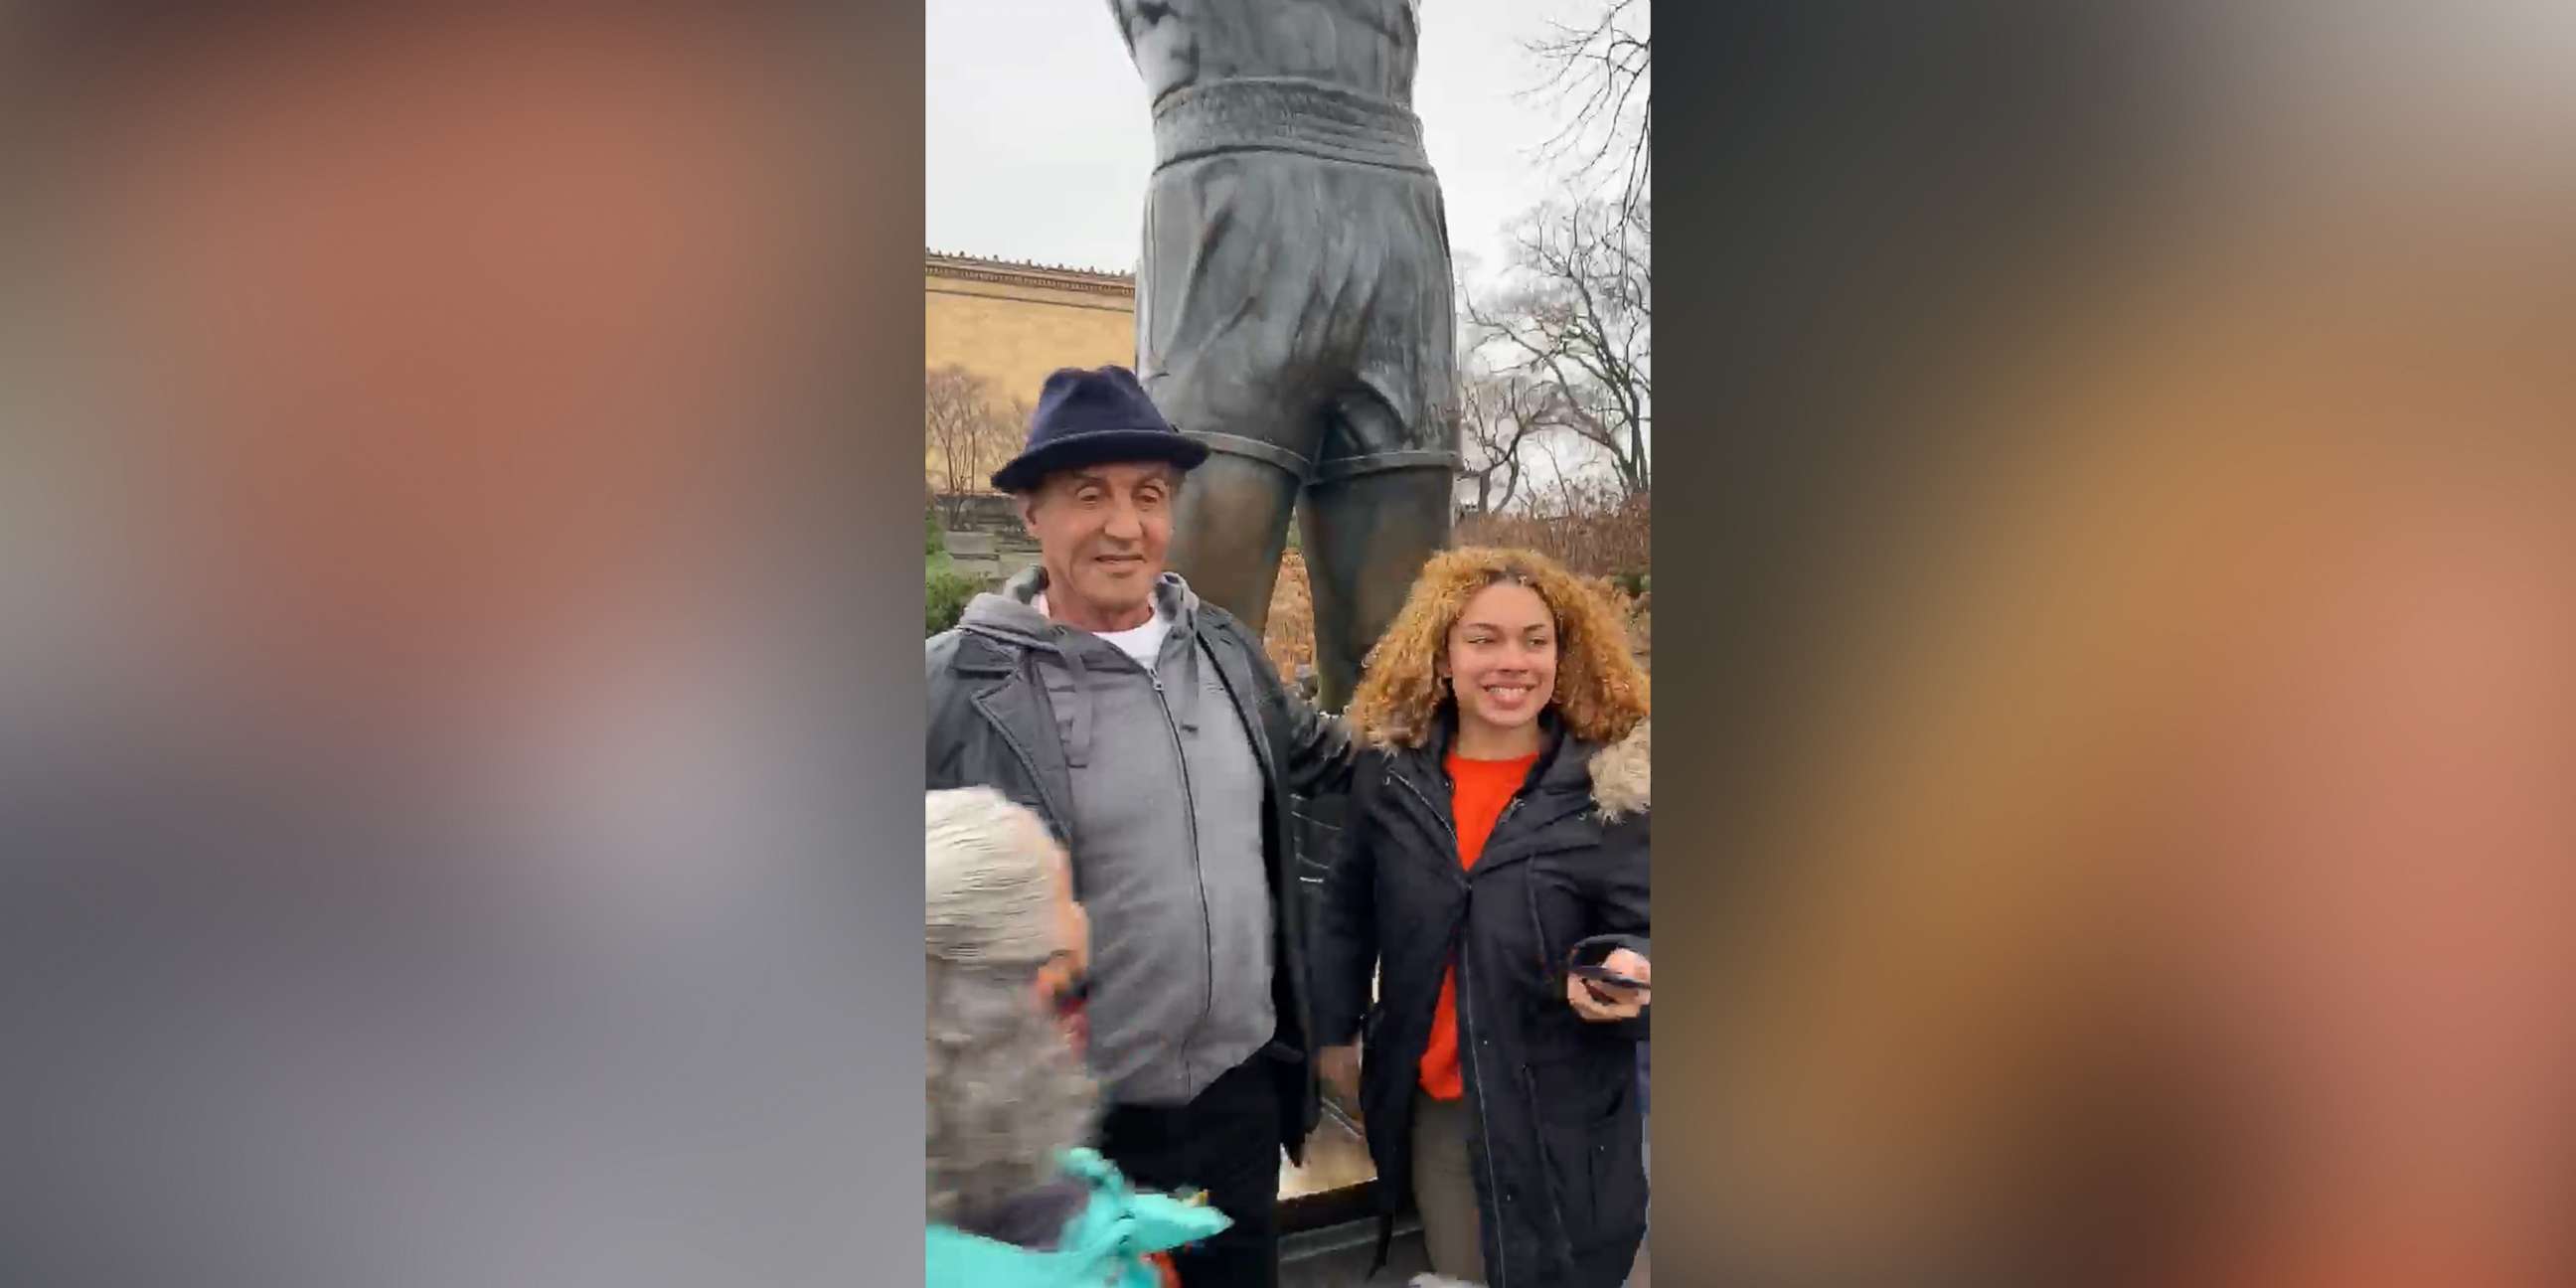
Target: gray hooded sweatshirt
x=1167, y=859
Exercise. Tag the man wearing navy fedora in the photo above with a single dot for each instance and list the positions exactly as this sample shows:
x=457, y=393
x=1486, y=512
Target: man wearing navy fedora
x=1151, y=733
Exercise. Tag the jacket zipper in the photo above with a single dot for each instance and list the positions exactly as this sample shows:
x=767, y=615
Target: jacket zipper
x=1439, y=817
x=1198, y=869
x=1287, y=923
x=1467, y=1031
x=1529, y=1089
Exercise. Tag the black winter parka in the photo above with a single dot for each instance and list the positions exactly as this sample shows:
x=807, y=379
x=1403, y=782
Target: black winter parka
x=1558, y=1136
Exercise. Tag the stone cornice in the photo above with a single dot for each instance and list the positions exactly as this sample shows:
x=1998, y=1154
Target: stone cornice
x=1004, y=272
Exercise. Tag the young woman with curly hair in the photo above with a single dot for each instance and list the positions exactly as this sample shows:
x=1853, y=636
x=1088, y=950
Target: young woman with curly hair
x=1494, y=873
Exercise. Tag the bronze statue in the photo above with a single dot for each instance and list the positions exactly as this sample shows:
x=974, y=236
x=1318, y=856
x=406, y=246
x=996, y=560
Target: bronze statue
x=1293, y=303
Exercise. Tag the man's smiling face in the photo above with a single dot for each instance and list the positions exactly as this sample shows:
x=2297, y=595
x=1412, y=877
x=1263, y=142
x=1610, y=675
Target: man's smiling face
x=1102, y=531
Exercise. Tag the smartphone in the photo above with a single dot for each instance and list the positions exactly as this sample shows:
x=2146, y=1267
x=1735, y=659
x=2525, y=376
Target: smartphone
x=1607, y=976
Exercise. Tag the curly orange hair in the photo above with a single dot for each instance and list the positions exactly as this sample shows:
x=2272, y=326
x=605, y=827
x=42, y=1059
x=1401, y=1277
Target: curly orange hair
x=1601, y=694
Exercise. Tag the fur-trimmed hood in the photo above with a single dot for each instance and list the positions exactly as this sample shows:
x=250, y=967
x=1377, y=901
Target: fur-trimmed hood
x=1622, y=774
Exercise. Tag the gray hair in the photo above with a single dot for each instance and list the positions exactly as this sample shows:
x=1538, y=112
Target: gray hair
x=1003, y=1093
x=988, y=880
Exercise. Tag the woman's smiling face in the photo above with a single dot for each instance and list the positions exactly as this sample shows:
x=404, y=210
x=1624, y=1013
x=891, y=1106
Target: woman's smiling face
x=1502, y=656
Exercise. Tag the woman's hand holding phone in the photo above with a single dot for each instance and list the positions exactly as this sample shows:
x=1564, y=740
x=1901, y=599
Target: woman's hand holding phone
x=1617, y=989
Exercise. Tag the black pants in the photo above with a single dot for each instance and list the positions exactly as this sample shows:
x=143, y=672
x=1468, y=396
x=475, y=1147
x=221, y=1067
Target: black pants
x=1226, y=1142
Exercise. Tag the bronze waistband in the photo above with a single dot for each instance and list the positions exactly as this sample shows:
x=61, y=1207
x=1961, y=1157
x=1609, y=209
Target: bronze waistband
x=1333, y=469
x=1286, y=114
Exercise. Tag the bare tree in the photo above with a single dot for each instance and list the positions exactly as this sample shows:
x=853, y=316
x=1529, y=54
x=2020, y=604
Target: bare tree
x=968, y=436
x=1567, y=490
x=1600, y=75
x=1575, y=317
x=1498, y=413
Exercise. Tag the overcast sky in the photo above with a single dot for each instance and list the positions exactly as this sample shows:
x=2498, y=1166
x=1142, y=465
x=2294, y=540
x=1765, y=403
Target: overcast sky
x=1039, y=145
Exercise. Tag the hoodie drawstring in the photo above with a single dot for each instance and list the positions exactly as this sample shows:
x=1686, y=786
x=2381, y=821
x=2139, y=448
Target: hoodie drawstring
x=1187, y=712
x=1077, y=740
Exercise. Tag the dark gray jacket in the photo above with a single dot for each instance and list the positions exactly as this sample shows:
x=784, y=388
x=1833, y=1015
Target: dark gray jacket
x=997, y=686
x=1165, y=828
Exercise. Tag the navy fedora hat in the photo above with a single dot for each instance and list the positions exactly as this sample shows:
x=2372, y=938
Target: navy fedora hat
x=1093, y=417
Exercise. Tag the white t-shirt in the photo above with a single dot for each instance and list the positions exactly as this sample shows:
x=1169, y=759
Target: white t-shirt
x=1143, y=643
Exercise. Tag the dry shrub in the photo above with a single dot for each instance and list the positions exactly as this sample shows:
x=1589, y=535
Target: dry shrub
x=1633, y=610
x=1289, y=637
x=1641, y=630
x=1592, y=531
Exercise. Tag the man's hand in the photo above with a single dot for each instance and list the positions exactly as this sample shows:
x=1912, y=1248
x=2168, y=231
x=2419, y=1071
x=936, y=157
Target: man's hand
x=1339, y=1068
x=1602, y=1002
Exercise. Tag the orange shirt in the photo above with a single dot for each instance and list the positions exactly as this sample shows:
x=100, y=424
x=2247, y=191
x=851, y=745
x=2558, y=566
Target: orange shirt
x=1483, y=789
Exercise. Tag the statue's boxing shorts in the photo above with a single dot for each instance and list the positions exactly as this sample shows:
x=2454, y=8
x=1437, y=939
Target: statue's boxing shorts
x=1295, y=300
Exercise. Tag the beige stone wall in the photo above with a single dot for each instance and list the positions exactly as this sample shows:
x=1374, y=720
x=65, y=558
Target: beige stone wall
x=1014, y=323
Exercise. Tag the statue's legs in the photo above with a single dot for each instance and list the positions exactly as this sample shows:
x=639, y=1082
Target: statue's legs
x=1367, y=534
x=1230, y=529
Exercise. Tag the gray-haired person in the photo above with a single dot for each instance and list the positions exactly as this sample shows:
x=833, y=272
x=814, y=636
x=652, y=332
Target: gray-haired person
x=1012, y=1197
